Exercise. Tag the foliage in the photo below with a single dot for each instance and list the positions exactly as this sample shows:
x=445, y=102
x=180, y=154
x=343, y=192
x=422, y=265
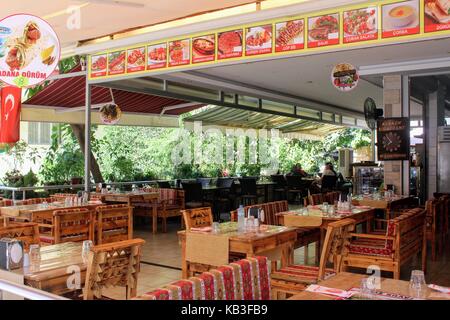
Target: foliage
x=21, y=151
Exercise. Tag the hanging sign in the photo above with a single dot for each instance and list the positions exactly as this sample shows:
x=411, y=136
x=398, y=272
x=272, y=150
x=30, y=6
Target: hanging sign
x=30, y=50
x=393, y=136
x=344, y=77
x=10, y=114
x=110, y=114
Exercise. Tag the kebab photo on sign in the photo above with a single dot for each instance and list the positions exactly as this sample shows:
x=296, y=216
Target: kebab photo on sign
x=344, y=77
x=110, y=113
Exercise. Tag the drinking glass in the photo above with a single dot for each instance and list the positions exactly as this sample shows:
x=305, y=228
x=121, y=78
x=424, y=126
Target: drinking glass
x=325, y=207
x=417, y=284
x=215, y=227
x=366, y=289
x=87, y=245
x=35, y=254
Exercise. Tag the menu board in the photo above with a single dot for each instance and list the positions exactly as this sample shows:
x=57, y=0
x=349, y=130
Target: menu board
x=204, y=48
x=116, y=62
x=323, y=30
x=136, y=60
x=437, y=15
x=230, y=44
x=157, y=56
x=361, y=25
x=99, y=64
x=370, y=24
x=401, y=19
x=393, y=136
x=290, y=35
x=258, y=40
x=179, y=52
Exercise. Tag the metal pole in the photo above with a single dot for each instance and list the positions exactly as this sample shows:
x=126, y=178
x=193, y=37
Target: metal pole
x=372, y=144
x=87, y=141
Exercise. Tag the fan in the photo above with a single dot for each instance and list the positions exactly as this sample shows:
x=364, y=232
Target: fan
x=371, y=113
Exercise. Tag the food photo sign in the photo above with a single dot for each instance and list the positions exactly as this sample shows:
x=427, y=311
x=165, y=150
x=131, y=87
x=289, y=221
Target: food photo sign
x=29, y=50
x=344, y=77
x=393, y=136
x=363, y=25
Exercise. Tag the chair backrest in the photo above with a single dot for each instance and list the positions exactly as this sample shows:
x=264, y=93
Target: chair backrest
x=26, y=232
x=294, y=181
x=6, y=203
x=113, y=264
x=279, y=179
x=73, y=225
x=113, y=223
x=164, y=184
x=203, y=181
x=270, y=211
x=197, y=218
x=315, y=199
x=193, y=191
x=408, y=229
x=248, y=186
x=335, y=244
x=331, y=197
x=225, y=182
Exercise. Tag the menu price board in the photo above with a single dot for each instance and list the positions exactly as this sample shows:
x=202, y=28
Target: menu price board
x=136, y=60
x=204, y=48
x=179, y=52
x=230, y=44
x=323, y=30
x=157, y=56
x=437, y=15
x=258, y=40
x=393, y=135
x=361, y=25
x=116, y=62
x=401, y=19
x=290, y=35
x=99, y=64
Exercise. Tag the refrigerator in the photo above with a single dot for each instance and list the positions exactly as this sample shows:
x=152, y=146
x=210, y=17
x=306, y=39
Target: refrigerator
x=366, y=177
x=444, y=160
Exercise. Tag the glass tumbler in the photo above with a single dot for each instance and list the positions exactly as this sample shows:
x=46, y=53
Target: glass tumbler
x=417, y=284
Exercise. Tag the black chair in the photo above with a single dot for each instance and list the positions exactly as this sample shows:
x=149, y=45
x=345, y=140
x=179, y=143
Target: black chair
x=248, y=194
x=204, y=181
x=193, y=195
x=222, y=199
x=164, y=184
x=280, y=188
x=295, y=186
x=329, y=183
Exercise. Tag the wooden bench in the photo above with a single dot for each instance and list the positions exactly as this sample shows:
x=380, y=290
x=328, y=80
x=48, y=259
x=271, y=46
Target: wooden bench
x=403, y=239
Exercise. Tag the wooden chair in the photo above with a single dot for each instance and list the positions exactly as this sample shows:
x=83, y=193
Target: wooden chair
x=315, y=199
x=26, y=232
x=72, y=225
x=114, y=264
x=435, y=222
x=403, y=239
x=295, y=278
x=113, y=223
x=197, y=218
x=6, y=203
x=331, y=197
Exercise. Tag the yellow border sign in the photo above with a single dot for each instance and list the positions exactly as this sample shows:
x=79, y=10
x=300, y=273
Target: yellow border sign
x=364, y=25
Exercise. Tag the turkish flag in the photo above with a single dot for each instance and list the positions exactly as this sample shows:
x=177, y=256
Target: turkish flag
x=10, y=114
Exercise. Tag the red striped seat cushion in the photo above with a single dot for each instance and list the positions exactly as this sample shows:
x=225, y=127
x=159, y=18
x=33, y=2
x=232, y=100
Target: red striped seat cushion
x=371, y=247
x=300, y=274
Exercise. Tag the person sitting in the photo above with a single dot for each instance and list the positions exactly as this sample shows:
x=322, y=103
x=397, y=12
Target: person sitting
x=329, y=178
x=329, y=170
x=298, y=171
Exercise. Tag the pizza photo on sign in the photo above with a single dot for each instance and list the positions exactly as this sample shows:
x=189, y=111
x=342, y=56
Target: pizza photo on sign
x=30, y=50
x=344, y=77
x=229, y=44
x=437, y=15
x=323, y=30
x=258, y=40
x=289, y=35
x=99, y=64
x=157, y=56
x=116, y=62
x=401, y=19
x=179, y=53
x=360, y=25
x=136, y=60
x=203, y=48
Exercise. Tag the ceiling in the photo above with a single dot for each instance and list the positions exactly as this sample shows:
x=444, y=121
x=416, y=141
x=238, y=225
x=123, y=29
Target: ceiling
x=309, y=76
x=103, y=17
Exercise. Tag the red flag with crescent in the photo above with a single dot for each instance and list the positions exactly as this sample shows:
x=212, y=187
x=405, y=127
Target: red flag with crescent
x=10, y=114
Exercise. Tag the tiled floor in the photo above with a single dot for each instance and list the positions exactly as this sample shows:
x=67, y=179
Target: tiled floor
x=161, y=262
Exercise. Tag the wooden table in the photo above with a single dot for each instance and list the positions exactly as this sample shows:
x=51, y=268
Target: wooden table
x=347, y=281
x=58, y=263
x=25, y=212
x=385, y=204
x=250, y=243
x=130, y=198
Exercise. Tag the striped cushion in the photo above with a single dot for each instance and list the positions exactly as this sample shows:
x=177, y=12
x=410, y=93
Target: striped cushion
x=158, y=294
x=371, y=247
x=301, y=274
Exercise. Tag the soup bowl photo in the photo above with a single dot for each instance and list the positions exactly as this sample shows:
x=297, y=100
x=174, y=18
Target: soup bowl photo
x=402, y=16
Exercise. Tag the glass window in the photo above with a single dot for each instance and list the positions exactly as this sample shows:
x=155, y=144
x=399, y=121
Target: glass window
x=39, y=133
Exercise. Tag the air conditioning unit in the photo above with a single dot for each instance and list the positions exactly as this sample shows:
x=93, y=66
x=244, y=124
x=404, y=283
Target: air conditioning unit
x=345, y=161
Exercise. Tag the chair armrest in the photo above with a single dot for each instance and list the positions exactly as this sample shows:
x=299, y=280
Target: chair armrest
x=371, y=236
x=44, y=225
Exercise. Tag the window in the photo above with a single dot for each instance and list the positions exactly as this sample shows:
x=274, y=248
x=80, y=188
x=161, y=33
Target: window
x=39, y=133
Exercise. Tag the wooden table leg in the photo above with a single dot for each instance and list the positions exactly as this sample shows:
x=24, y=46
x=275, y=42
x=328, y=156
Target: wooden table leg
x=154, y=218
x=287, y=254
x=184, y=263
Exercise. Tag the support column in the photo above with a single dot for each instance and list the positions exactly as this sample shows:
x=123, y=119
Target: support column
x=87, y=137
x=396, y=104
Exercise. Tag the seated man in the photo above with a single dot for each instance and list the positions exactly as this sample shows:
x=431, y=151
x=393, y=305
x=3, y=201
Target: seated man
x=298, y=171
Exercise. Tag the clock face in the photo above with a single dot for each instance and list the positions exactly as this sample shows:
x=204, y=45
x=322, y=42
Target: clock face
x=392, y=142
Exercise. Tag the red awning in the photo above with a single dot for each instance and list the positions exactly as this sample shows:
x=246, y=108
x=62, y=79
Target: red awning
x=70, y=93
